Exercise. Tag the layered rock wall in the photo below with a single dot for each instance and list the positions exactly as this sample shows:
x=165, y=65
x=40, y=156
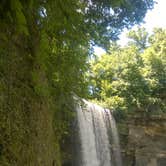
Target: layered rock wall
x=143, y=140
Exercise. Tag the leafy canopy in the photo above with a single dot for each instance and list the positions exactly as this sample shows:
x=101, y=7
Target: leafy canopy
x=129, y=78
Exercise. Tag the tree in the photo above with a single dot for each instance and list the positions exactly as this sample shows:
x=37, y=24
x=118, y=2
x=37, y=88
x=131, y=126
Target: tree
x=139, y=38
x=155, y=65
x=106, y=19
x=128, y=79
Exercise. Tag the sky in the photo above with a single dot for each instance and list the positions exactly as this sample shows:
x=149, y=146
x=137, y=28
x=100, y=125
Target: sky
x=154, y=18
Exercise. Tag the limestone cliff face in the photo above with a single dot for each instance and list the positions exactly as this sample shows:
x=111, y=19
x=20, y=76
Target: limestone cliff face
x=143, y=140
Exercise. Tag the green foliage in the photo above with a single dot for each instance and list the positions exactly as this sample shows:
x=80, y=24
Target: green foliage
x=44, y=47
x=139, y=38
x=105, y=19
x=130, y=79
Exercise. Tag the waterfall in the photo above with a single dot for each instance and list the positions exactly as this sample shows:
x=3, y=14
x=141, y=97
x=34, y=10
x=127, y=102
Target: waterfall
x=98, y=136
x=115, y=140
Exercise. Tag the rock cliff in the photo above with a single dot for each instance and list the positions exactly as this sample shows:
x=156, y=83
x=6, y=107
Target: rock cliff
x=143, y=140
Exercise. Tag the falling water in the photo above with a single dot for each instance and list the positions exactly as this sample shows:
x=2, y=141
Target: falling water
x=114, y=140
x=95, y=124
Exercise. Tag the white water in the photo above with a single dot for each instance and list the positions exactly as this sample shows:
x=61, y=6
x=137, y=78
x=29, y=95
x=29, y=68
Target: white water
x=94, y=125
x=115, y=140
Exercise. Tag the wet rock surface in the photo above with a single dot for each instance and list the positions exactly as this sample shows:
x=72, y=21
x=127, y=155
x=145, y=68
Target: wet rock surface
x=143, y=140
